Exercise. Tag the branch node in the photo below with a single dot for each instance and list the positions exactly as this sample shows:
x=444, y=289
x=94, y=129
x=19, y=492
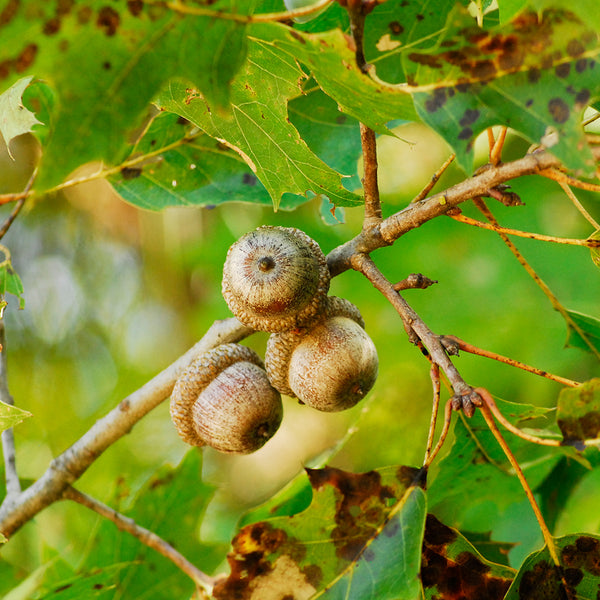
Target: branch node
x=414, y=281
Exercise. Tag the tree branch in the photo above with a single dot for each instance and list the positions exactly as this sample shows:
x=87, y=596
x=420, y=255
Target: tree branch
x=145, y=536
x=463, y=394
x=71, y=464
x=418, y=213
x=13, y=485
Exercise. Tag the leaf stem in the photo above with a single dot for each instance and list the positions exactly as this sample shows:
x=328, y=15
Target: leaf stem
x=434, y=179
x=573, y=198
x=462, y=345
x=434, y=374
x=559, y=176
x=145, y=536
x=525, y=234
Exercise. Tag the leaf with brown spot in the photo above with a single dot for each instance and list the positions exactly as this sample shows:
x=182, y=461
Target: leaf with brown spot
x=578, y=414
x=360, y=538
x=539, y=579
x=453, y=569
x=106, y=60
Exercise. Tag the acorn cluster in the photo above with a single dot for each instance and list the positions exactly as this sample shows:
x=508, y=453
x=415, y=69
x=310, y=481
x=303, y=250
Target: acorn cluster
x=275, y=279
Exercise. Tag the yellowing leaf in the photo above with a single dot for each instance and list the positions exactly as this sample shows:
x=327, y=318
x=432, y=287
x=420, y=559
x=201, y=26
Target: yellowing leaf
x=15, y=119
x=11, y=416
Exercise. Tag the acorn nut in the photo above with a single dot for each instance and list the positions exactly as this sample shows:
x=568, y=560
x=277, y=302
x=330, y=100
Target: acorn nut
x=330, y=366
x=224, y=400
x=275, y=279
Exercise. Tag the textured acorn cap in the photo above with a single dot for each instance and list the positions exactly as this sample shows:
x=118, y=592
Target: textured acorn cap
x=275, y=279
x=224, y=400
x=330, y=366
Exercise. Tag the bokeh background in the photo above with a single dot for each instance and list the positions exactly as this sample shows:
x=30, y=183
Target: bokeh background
x=114, y=294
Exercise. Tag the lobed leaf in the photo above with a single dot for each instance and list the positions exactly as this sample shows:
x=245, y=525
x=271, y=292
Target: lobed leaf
x=578, y=413
x=539, y=579
x=15, y=119
x=105, y=61
x=535, y=75
x=359, y=538
x=257, y=126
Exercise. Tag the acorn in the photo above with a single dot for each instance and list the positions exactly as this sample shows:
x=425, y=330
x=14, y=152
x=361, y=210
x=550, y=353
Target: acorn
x=224, y=399
x=275, y=279
x=329, y=366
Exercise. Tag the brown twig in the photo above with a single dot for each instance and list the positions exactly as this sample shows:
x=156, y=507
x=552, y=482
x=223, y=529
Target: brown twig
x=559, y=176
x=497, y=146
x=415, y=326
x=20, y=199
x=487, y=415
x=415, y=281
x=203, y=581
x=539, y=281
x=434, y=179
x=434, y=374
x=443, y=434
x=372, y=216
x=462, y=345
x=525, y=234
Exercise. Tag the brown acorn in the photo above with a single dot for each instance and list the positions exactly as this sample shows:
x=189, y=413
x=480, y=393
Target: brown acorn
x=275, y=279
x=330, y=366
x=225, y=400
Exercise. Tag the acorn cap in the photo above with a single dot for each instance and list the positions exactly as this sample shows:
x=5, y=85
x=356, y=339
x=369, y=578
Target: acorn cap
x=275, y=279
x=330, y=366
x=224, y=400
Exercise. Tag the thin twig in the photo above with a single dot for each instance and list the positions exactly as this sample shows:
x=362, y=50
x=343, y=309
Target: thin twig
x=443, y=434
x=434, y=179
x=573, y=198
x=496, y=149
x=556, y=175
x=20, y=202
x=145, y=536
x=480, y=204
x=73, y=462
x=525, y=234
x=13, y=485
x=462, y=345
x=487, y=415
x=372, y=215
x=415, y=326
x=434, y=374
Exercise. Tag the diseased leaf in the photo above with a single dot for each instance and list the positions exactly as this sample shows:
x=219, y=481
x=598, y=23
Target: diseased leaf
x=359, y=539
x=578, y=414
x=258, y=128
x=105, y=61
x=15, y=119
x=539, y=579
x=536, y=75
x=587, y=335
x=453, y=568
x=11, y=416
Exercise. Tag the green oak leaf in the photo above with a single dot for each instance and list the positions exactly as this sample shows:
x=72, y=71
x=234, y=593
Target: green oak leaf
x=258, y=127
x=11, y=416
x=105, y=62
x=583, y=332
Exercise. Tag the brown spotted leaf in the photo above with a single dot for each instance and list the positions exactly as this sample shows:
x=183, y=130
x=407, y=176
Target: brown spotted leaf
x=535, y=74
x=452, y=568
x=578, y=414
x=106, y=60
x=539, y=578
x=359, y=539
